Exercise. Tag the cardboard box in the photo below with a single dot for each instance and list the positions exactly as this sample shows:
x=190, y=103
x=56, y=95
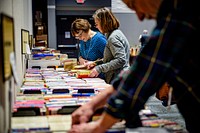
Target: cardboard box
x=41, y=37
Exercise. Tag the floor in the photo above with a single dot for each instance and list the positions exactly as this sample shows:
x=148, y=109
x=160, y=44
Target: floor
x=172, y=114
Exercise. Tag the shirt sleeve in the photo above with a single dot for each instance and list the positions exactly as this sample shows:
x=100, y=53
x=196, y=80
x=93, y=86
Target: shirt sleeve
x=81, y=49
x=116, y=46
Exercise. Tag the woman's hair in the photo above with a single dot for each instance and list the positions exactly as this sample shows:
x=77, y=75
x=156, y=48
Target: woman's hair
x=80, y=24
x=108, y=21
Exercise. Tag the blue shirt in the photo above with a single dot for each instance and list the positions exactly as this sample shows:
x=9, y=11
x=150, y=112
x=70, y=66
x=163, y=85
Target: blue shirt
x=93, y=49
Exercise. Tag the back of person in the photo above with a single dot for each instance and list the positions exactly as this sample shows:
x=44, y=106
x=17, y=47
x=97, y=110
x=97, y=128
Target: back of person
x=186, y=64
x=175, y=58
x=110, y=53
x=116, y=53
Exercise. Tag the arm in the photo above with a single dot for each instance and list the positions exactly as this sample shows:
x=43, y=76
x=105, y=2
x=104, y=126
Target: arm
x=84, y=113
x=81, y=60
x=159, y=61
x=98, y=126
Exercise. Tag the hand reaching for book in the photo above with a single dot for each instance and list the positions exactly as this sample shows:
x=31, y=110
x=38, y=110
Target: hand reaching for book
x=93, y=73
x=90, y=64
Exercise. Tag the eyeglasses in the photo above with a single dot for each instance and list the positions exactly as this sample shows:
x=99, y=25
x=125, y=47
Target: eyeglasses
x=79, y=35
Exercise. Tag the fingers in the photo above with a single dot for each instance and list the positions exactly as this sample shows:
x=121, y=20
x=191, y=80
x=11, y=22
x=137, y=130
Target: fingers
x=81, y=115
x=75, y=119
x=84, y=128
x=89, y=64
x=84, y=119
x=93, y=73
x=76, y=116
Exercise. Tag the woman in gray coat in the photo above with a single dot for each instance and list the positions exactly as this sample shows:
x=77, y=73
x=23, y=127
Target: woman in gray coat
x=117, y=50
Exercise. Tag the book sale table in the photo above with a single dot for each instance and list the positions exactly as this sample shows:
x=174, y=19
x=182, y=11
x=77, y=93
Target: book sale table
x=48, y=96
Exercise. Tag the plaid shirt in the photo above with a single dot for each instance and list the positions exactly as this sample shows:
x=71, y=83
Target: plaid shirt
x=171, y=55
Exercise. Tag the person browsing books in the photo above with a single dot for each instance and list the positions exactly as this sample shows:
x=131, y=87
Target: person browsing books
x=116, y=53
x=171, y=54
x=92, y=43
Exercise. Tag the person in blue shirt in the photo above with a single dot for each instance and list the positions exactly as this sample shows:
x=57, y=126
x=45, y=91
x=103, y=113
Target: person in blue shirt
x=92, y=43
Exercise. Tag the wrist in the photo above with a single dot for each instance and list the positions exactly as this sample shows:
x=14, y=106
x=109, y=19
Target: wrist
x=99, y=127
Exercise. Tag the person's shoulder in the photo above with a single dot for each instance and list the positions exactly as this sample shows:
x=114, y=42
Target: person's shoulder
x=81, y=42
x=100, y=36
x=117, y=32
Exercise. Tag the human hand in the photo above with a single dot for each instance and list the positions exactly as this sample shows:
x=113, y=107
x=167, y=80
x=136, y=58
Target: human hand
x=101, y=125
x=82, y=114
x=91, y=127
x=82, y=61
x=93, y=73
x=90, y=64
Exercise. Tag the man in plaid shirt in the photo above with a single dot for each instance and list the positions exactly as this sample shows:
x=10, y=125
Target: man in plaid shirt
x=171, y=55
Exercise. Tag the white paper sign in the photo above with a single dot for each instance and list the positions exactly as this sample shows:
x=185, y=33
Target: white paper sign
x=13, y=65
x=67, y=34
x=28, y=51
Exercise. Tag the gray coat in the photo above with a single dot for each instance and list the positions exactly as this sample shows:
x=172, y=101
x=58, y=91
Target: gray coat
x=116, y=55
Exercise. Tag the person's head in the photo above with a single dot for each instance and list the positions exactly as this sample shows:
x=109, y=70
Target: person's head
x=144, y=8
x=105, y=21
x=145, y=32
x=80, y=29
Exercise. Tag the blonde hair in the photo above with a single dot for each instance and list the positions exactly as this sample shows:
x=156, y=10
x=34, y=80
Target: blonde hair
x=108, y=21
x=80, y=24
